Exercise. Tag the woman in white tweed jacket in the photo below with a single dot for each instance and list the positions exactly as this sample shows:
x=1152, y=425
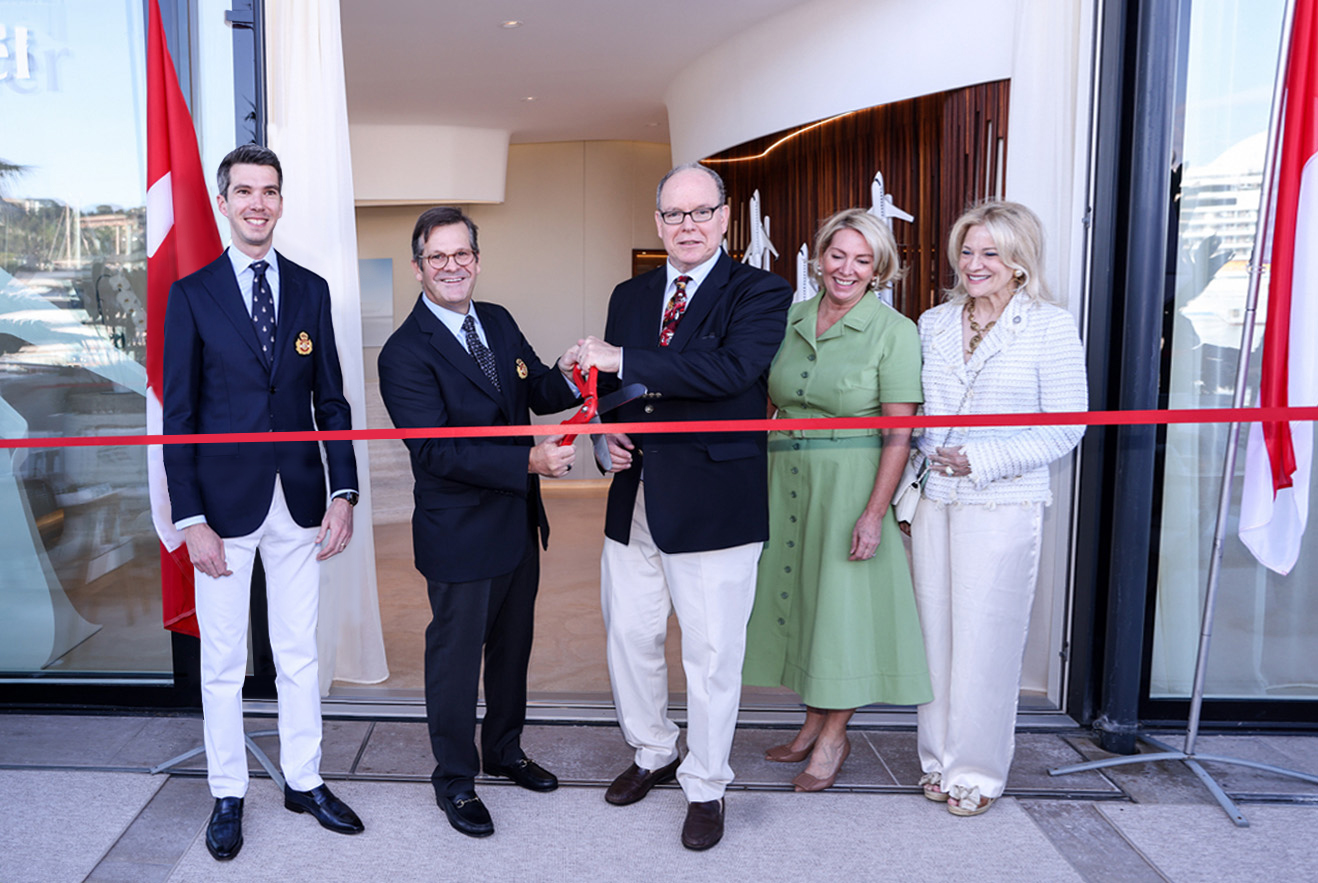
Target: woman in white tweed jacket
x=997, y=346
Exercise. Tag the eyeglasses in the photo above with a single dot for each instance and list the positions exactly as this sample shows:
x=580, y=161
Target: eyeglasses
x=439, y=260
x=674, y=217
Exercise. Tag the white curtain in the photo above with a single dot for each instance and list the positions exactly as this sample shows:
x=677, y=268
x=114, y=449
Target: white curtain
x=308, y=119
x=1046, y=169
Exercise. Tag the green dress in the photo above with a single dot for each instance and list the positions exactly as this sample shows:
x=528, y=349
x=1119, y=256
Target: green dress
x=840, y=633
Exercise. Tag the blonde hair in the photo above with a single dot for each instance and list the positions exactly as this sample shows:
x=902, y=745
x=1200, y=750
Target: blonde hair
x=887, y=265
x=1018, y=235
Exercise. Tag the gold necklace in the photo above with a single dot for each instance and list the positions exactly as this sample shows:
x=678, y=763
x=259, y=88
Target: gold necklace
x=978, y=337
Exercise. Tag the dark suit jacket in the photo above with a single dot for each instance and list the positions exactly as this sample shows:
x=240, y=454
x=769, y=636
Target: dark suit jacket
x=217, y=380
x=703, y=491
x=474, y=496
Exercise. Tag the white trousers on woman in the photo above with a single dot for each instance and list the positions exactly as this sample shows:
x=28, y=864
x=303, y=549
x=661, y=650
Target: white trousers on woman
x=975, y=570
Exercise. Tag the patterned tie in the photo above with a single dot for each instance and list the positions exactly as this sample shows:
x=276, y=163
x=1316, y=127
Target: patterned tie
x=263, y=309
x=480, y=352
x=673, y=312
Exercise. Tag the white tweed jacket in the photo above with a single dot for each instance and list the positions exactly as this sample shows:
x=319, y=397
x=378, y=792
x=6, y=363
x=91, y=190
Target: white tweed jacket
x=1031, y=361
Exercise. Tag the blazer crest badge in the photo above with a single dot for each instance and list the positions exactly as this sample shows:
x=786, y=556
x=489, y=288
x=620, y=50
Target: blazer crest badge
x=522, y=373
x=303, y=344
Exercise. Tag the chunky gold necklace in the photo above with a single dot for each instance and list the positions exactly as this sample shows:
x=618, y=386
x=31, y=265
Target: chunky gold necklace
x=978, y=337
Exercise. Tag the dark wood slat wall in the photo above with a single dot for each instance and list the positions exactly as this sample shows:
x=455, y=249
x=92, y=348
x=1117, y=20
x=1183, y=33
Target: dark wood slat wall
x=938, y=154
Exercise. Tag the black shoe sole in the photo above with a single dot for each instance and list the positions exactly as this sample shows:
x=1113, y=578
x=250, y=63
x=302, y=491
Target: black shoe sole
x=215, y=853
x=461, y=826
x=337, y=829
x=542, y=788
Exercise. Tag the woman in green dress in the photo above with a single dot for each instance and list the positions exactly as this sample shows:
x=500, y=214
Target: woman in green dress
x=835, y=617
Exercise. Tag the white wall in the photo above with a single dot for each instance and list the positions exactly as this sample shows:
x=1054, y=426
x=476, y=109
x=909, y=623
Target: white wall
x=416, y=165
x=831, y=56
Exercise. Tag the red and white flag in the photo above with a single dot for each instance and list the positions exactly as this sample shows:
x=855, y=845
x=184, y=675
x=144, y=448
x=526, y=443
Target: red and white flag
x=1274, y=506
x=181, y=239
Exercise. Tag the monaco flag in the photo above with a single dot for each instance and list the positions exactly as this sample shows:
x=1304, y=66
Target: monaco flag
x=1274, y=506
x=181, y=239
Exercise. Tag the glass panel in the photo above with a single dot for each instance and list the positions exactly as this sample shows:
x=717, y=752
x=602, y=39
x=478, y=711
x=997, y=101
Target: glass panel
x=80, y=578
x=1262, y=640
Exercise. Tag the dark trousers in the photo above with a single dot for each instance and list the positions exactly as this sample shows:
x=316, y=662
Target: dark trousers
x=498, y=613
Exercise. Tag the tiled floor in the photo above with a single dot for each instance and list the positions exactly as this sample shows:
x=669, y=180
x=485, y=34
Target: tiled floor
x=85, y=775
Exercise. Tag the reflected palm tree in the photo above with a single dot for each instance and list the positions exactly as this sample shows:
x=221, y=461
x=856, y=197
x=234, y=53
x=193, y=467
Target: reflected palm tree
x=8, y=172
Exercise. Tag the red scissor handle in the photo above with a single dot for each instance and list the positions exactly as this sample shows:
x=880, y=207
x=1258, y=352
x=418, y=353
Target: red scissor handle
x=590, y=402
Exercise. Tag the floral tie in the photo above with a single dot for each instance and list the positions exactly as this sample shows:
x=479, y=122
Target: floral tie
x=673, y=312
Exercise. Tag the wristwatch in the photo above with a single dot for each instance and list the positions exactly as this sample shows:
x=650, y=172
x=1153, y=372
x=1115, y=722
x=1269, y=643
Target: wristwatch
x=351, y=497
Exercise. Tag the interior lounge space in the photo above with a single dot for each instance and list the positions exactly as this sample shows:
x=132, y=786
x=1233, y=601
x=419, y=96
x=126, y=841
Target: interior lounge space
x=1135, y=129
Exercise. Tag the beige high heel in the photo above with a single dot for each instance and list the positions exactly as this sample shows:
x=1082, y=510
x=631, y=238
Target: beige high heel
x=807, y=782
x=785, y=754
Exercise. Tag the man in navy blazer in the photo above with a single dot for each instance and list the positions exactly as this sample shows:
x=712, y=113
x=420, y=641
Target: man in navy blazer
x=687, y=513
x=249, y=348
x=478, y=520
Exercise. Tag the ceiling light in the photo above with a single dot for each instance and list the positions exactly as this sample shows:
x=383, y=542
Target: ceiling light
x=510, y=24
x=529, y=98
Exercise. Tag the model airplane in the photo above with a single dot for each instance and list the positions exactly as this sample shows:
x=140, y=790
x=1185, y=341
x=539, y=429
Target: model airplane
x=760, y=252
x=883, y=207
x=885, y=210
x=805, y=283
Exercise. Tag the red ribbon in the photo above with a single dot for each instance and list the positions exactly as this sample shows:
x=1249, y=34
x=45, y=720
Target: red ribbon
x=1082, y=418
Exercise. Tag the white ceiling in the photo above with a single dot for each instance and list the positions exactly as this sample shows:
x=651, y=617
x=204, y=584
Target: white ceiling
x=597, y=69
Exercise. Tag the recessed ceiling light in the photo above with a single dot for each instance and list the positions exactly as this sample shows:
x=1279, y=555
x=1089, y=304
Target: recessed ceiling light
x=510, y=24
x=529, y=98
x=652, y=125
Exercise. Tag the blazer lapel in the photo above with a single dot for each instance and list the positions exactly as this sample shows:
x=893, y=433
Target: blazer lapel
x=221, y=284
x=702, y=302
x=291, y=302
x=1001, y=335
x=648, y=315
x=501, y=346
x=947, y=340
x=447, y=346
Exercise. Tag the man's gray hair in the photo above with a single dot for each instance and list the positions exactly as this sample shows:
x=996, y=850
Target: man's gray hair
x=718, y=182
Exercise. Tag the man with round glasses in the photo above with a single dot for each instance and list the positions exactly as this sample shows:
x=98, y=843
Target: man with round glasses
x=687, y=513
x=478, y=518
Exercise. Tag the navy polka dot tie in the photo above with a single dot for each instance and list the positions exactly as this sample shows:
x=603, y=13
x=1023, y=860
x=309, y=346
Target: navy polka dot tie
x=480, y=352
x=263, y=309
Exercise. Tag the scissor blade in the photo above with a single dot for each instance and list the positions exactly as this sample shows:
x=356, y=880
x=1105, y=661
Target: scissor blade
x=619, y=397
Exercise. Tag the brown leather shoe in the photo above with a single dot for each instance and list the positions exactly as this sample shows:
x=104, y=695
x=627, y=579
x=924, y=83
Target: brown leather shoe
x=704, y=824
x=635, y=783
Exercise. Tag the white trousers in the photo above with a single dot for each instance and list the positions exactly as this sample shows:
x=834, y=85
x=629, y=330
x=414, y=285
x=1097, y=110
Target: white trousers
x=712, y=594
x=292, y=576
x=975, y=571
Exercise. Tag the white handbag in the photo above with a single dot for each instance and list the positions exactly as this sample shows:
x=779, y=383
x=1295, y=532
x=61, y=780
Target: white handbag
x=909, y=488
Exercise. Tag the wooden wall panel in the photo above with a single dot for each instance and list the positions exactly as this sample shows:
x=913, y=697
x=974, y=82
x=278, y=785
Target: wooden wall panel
x=938, y=154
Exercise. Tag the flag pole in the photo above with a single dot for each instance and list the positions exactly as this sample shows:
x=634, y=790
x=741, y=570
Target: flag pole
x=1188, y=755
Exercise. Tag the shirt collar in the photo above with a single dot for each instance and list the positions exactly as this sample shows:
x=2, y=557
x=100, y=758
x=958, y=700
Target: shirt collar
x=697, y=274
x=451, y=320
x=242, y=263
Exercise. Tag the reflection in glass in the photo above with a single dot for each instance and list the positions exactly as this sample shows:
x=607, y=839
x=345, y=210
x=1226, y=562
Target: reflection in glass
x=1262, y=638
x=80, y=577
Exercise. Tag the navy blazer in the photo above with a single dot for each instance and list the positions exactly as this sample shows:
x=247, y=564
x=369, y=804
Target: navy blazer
x=217, y=380
x=703, y=491
x=474, y=497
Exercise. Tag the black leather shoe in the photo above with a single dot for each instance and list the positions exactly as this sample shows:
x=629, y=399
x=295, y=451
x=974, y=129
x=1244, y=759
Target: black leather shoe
x=224, y=834
x=526, y=772
x=704, y=824
x=467, y=814
x=635, y=783
x=331, y=812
